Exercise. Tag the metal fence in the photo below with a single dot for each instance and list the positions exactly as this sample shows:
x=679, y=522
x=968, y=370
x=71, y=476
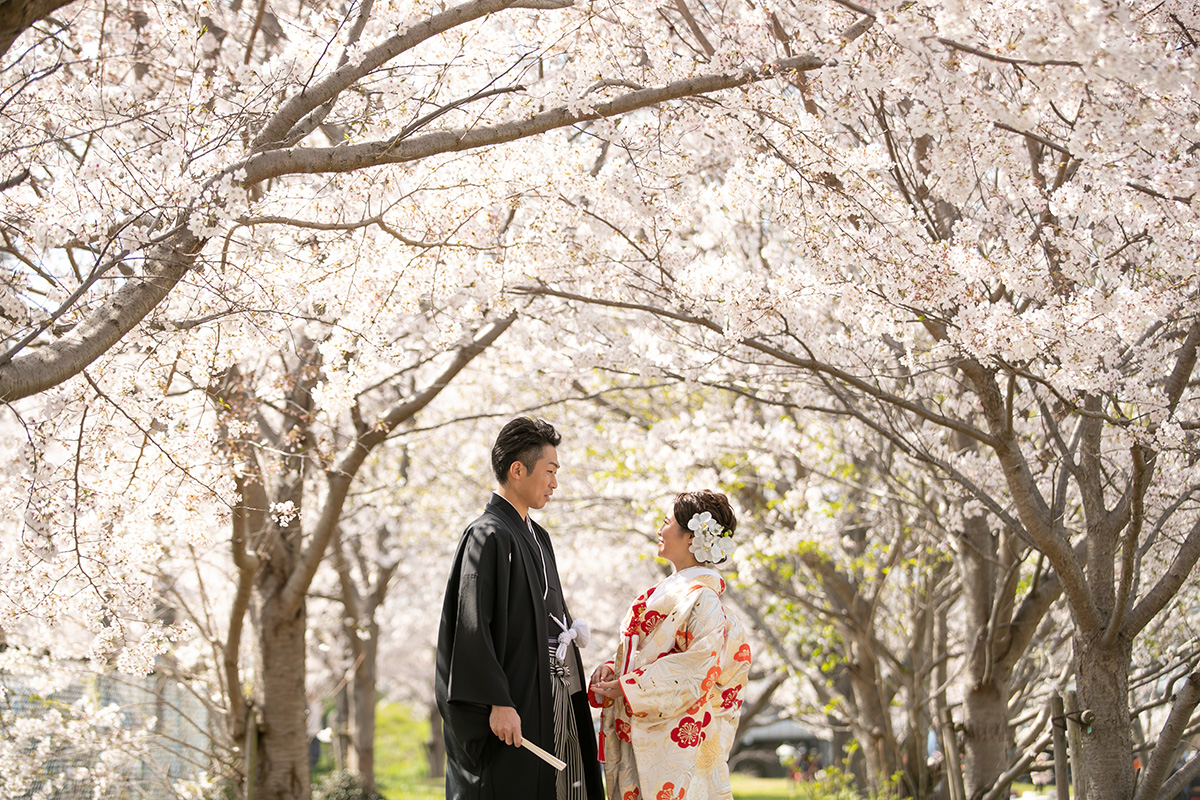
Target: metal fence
x=71, y=733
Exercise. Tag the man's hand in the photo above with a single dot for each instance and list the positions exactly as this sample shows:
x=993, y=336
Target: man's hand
x=506, y=723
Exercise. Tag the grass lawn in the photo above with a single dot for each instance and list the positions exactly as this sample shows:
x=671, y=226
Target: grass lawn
x=401, y=768
x=747, y=787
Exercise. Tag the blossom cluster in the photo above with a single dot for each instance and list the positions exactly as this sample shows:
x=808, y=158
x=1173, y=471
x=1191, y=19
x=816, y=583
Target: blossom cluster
x=710, y=541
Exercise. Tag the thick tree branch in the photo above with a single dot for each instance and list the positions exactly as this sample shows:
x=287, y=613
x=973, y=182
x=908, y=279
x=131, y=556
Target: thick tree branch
x=1032, y=508
x=278, y=128
x=1185, y=364
x=1162, y=758
x=299, y=160
x=1030, y=613
x=1177, y=782
x=1142, y=467
x=244, y=520
x=340, y=476
x=17, y=16
x=1168, y=585
x=60, y=360
x=351, y=598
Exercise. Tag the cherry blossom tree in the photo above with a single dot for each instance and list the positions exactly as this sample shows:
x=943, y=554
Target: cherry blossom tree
x=223, y=227
x=193, y=129
x=236, y=239
x=971, y=236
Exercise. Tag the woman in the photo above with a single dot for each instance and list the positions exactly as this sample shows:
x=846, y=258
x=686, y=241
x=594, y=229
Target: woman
x=670, y=696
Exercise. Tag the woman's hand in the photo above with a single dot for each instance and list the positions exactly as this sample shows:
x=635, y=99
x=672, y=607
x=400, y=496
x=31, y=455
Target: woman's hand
x=610, y=689
x=604, y=672
x=600, y=686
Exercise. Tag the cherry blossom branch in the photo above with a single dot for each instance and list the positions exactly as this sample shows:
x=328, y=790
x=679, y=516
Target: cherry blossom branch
x=169, y=261
x=1022, y=62
x=777, y=353
x=1155, y=600
x=147, y=433
x=57, y=361
x=279, y=126
x=377, y=220
x=340, y=476
x=258, y=19
x=264, y=165
x=694, y=26
x=314, y=119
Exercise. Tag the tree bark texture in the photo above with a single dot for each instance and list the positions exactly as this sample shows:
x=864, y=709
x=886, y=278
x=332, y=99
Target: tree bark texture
x=17, y=16
x=1102, y=682
x=986, y=737
x=283, y=738
x=362, y=708
x=872, y=724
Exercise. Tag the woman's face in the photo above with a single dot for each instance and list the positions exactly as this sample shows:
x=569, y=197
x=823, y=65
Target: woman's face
x=673, y=543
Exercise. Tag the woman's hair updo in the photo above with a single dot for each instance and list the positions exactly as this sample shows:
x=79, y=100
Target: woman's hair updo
x=689, y=504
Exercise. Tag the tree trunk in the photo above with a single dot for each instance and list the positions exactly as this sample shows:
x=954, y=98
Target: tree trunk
x=872, y=723
x=362, y=710
x=1102, y=681
x=986, y=735
x=283, y=743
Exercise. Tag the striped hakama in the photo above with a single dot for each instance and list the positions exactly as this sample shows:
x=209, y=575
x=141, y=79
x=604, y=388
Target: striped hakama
x=570, y=783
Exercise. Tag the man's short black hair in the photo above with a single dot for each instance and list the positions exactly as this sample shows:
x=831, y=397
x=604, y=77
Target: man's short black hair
x=522, y=439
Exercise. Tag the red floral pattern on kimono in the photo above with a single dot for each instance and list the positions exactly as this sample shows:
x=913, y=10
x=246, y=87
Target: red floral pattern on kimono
x=683, y=662
x=667, y=792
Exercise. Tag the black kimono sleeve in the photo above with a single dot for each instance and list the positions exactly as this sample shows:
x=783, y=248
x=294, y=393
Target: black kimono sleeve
x=477, y=646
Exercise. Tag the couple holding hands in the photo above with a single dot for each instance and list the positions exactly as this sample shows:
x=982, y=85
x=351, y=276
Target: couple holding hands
x=509, y=681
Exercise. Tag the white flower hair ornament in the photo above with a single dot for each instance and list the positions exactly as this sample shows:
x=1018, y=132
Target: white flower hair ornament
x=710, y=542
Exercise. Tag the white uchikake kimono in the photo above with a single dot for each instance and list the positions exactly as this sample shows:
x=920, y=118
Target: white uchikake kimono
x=682, y=663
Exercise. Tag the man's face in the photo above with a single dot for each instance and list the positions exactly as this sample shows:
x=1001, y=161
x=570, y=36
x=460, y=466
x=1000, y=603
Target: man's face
x=535, y=486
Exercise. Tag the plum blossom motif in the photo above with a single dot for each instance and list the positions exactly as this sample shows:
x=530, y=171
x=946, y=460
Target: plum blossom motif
x=729, y=697
x=690, y=732
x=667, y=792
x=623, y=730
x=635, y=617
x=710, y=679
x=636, y=622
x=742, y=654
x=633, y=794
x=650, y=621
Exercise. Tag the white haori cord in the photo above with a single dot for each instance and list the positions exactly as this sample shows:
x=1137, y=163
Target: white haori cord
x=578, y=632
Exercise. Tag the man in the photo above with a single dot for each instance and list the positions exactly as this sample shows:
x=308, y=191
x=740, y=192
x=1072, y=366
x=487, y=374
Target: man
x=508, y=669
